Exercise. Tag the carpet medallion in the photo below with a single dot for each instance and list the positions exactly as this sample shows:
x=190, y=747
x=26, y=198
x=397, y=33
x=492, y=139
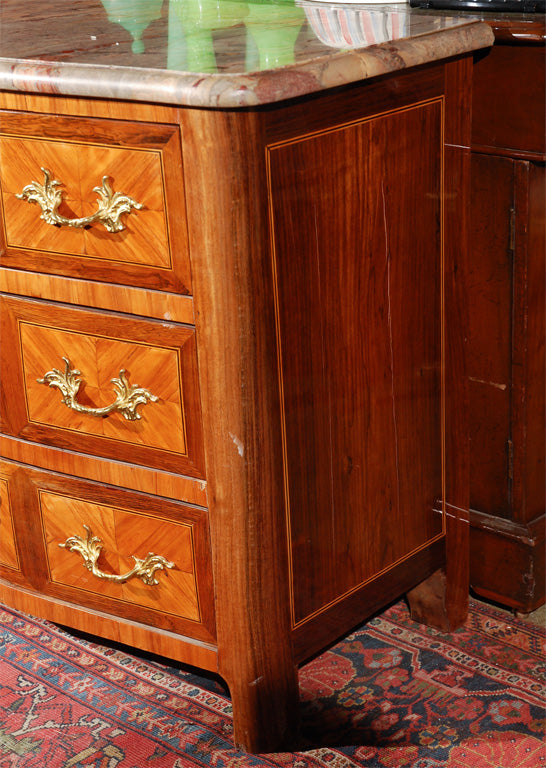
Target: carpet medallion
x=393, y=694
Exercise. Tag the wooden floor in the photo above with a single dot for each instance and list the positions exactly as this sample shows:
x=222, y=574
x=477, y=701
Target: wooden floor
x=538, y=616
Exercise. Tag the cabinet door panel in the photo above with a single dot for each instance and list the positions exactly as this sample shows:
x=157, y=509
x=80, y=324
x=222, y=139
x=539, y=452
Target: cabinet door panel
x=534, y=459
x=490, y=309
x=108, y=356
x=508, y=109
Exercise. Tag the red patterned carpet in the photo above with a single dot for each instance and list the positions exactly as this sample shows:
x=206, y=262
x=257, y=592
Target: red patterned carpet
x=391, y=695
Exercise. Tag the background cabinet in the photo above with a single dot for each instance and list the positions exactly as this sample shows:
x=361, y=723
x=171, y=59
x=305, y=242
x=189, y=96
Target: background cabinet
x=507, y=324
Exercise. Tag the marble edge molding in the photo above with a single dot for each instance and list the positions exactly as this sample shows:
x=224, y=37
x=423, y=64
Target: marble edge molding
x=240, y=90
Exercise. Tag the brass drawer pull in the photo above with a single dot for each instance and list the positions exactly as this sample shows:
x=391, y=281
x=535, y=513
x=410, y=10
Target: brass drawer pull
x=49, y=197
x=128, y=396
x=90, y=549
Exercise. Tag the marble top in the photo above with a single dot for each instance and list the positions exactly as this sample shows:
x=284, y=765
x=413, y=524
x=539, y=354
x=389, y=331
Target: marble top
x=217, y=53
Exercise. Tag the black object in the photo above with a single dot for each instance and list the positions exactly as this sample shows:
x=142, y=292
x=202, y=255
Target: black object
x=512, y=6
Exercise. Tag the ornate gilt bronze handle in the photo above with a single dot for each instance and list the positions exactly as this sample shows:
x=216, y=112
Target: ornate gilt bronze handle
x=128, y=396
x=90, y=549
x=49, y=197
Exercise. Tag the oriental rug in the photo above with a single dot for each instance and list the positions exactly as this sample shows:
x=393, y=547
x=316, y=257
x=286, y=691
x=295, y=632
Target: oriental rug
x=393, y=694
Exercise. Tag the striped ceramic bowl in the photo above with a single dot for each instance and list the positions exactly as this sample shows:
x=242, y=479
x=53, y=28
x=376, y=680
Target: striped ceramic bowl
x=355, y=27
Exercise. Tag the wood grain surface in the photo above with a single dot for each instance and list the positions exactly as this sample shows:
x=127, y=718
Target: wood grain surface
x=159, y=357
x=117, y=473
x=139, y=160
x=361, y=317
x=239, y=392
x=8, y=551
x=124, y=534
x=509, y=109
x=52, y=508
x=120, y=298
x=490, y=314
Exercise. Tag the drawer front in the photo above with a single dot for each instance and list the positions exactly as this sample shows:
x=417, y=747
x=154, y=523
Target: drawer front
x=120, y=553
x=108, y=386
x=132, y=555
x=8, y=550
x=143, y=197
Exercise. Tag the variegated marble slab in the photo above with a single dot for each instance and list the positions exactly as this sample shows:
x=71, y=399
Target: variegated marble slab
x=217, y=53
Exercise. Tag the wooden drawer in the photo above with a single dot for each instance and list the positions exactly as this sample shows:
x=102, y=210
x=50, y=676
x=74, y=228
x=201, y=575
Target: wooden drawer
x=140, y=161
x=8, y=549
x=136, y=556
x=137, y=399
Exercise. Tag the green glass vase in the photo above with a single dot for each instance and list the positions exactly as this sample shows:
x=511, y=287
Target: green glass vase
x=135, y=16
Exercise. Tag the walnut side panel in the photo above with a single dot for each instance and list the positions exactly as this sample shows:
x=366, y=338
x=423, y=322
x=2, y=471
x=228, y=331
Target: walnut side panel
x=358, y=260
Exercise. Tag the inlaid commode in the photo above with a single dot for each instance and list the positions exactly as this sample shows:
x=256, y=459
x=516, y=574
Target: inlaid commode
x=232, y=396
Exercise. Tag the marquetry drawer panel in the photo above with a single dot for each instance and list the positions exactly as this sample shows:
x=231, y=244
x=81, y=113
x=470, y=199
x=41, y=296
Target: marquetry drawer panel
x=98, y=546
x=140, y=161
x=8, y=551
x=123, y=535
x=49, y=349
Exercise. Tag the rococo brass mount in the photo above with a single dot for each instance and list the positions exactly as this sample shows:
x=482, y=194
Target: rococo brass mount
x=90, y=549
x=49, y=197
x=128, y=396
